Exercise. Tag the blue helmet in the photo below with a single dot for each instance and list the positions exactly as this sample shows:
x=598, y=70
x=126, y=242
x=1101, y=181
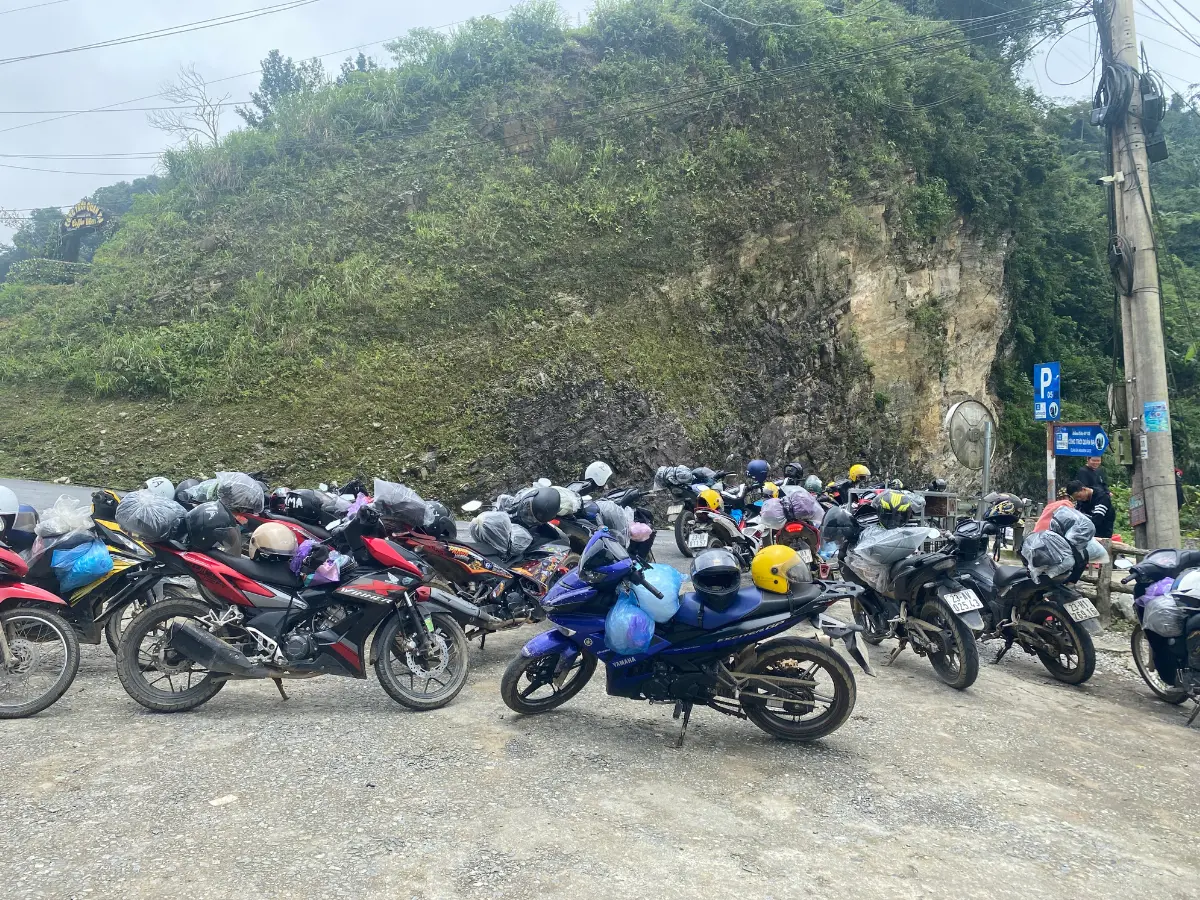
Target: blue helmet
x=758, y=470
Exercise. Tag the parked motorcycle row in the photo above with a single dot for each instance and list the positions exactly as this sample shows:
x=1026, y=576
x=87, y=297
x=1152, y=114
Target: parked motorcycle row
x=206, y=582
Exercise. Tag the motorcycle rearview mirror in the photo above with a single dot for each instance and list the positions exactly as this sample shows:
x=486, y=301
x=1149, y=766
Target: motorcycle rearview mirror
x=323, y=486
x=472, y=506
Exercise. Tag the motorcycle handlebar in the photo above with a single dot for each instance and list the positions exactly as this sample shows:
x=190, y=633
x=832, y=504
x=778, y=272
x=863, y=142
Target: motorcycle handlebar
x=641, y=579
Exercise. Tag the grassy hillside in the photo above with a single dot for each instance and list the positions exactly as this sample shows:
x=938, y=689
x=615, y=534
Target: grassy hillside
x=514, y=249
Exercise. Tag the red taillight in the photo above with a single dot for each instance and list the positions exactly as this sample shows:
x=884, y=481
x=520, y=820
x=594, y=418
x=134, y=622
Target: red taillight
x=555, y=522
x=793, y=527
x=11, y=563
x=384, y=552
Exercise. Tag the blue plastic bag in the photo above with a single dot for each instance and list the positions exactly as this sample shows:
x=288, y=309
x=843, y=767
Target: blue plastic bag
x=627, y=628
x=81, y=565
x=668, y=580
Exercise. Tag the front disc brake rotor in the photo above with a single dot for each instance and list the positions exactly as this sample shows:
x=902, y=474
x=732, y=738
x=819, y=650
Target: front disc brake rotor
x=416, y=662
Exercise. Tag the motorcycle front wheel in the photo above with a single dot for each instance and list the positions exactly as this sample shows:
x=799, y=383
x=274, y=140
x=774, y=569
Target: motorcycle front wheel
x=43, y=660
x=532, y=686
x=874, y=629
x=807, y=691
x=1144, y=661
x=954, y=656
x=416, y=681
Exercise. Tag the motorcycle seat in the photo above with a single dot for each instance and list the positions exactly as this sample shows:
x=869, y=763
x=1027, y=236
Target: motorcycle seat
x=485, y=550
x=749, y=601
x=1007, y=576
x=276, y=573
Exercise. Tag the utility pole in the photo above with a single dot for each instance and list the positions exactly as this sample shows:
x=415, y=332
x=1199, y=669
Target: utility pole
x=1137, y=263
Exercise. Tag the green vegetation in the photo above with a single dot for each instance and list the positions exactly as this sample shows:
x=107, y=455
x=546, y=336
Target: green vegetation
x=522, y=241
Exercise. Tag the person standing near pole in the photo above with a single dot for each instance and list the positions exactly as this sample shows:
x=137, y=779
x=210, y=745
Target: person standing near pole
x=1097, y=504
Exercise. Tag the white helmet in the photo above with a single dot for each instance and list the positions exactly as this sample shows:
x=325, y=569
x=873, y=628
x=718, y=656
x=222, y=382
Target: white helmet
x=598, y=473
x=272, y=542
x=9, y=506
x=161, y=487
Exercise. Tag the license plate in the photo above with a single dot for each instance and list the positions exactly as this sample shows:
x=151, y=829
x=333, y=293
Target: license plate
x=963, y=601
x=805, y=555
x=697, y=540
x=673, y=511
x=1081, y=609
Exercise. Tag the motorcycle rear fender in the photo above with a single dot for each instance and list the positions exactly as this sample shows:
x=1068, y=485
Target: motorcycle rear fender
x=548, y=643
x=972, y=619
x=1062, y=596
x=722, y=524
x=20, y=593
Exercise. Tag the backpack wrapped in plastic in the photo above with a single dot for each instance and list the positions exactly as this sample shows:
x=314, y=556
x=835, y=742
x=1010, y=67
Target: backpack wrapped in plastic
x=1047, y=553
x=1166, y=616
x=879, y=548
x=148, y=516
x=672, y=476
x=569, y=502
x=494, y=529
x=772, y=514
x=704, y=474
x=240, y=493
x=801, y=506
x=519, y=539
x=1074, y=526
x=616, y=519
x=81, y=565
x=398, y=501
x=65, y=516
x=203, y=492
x=628, y=629
x=668, y=580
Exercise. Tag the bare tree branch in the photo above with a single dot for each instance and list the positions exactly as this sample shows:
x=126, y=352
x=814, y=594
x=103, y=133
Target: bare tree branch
x=199, y=113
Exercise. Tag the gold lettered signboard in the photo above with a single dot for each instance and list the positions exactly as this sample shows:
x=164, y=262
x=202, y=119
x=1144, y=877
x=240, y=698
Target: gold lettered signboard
x=84, y=214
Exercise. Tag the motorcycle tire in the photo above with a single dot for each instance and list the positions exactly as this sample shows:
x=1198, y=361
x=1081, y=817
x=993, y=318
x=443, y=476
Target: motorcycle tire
x=871, y=632
x=682, y=531
x=119, y=621
x=1145, y=666
x=578, y=675
x=44, y=624
x=959, y=675
x=133, y=674
x=453, y=643
x=1085, y=667
x=782, y=657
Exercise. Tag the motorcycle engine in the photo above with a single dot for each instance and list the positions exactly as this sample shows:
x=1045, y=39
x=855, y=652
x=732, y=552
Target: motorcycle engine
x=671, y=684
x=299, y=644
x=329, y=617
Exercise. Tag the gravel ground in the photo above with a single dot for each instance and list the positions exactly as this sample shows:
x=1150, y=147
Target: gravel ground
x=1019, y=787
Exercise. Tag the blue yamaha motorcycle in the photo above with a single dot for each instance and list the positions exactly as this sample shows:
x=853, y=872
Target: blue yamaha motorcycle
x=792, y=688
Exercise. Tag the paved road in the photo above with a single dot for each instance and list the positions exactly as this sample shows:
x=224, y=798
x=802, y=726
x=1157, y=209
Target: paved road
x=41, y=495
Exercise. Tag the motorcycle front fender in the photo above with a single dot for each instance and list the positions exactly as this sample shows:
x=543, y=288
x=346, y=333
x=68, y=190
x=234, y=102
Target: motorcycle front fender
x=548, y=643
x=972, y=620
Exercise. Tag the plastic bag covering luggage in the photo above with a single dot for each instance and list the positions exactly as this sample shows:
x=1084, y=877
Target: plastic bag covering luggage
x=519, y=539
x=917, y=502
x=81, y=565
x=1165, y=616
x=801, y=506
x=398, y=501
x=879, y=548
x=1047, y=553
x=493, y=528
x=239, y=492
x=1073, y=525
x=203, y=492
x=616, y=519
x=679, y=476
x=570, y=502
x=668, y=580
x=1096, y=552
x=146, y=515
x=628, y=629
x=66, y=515
x=705, y=474
x=640, y=531
x=772, y=515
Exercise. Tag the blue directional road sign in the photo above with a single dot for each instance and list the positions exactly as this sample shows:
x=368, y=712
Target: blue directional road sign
x=1047, y=400
x=1080, y=440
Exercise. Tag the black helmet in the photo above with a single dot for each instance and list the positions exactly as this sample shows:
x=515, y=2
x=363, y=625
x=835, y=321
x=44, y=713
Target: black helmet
x=442, y=528
x=1003, y=510
x=716, y=576
x=211, y=526
x=839, y=526
x=793, y=471
x=938, y=486
x=104, y=505
x=894, y=508
x=538, y=507
x=182, y=489
x=304, y=505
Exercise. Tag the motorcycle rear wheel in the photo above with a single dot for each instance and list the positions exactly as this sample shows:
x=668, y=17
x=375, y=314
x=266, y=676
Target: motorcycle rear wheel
x=956, y=661
x=30, y=634
x=780, y=710
x=538, y=673
x=401, y=673
x=1076, y=668
x=1145, y=666
x=143, y=663
x=683, y=527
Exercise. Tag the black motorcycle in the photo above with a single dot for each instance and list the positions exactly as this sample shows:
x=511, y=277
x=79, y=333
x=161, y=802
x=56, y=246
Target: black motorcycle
x=923, y=606
x=1170, y=665
x=579, y=528
x=1046, y=618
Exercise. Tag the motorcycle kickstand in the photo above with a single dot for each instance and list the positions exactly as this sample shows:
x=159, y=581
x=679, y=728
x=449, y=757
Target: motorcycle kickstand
x=482, y=639
x=1007, y=646
x=685, y=708
x=892, y=656
x=1191, y=718
x=279, y=684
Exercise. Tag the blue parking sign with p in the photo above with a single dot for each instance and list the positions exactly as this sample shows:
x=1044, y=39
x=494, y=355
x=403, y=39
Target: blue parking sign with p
x=1047, y=401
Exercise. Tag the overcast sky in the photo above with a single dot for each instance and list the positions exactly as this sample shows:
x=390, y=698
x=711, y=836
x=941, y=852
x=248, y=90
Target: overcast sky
x=110, y=75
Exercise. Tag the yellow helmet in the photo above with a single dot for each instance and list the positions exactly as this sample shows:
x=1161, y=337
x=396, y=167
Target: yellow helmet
x=711, y=499
x=770, y=489
x=858, y=472
x=776, y=567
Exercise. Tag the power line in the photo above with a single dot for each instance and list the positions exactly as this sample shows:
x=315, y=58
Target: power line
x=198, y=25
x=5, y=12
x=69, y=172
x=77, y=112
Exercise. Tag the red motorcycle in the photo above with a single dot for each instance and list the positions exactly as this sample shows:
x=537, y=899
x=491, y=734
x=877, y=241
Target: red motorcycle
x=256, y=620
x=39, y=652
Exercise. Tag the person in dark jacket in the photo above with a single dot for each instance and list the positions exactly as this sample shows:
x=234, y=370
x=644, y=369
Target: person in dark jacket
x=1179, y=498
x=1092, y=498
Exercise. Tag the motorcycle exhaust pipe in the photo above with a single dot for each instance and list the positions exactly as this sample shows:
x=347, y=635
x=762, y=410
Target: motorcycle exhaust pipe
x=207, y=650
x=464, y=609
